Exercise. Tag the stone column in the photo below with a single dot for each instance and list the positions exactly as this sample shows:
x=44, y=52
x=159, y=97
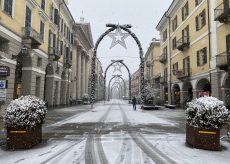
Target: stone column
x=173, y=97
x=83, y=74
x=226, y=96
x=194, y=92
x=73, y=91
x=86, y=74
x=183, y=96
x=216, y=84
x=79, y=74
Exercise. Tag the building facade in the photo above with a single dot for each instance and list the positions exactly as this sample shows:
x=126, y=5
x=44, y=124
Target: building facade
x=83, y=55
x=153, y=68
x=135, y=84
x=195, y=43
x=39, y=40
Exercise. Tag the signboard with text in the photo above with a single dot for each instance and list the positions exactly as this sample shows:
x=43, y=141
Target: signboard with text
x=4, y=71
x=3, y=84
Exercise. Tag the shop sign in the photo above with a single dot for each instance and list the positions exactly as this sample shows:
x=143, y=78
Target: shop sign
x=3, y=84
x=2, y=94
x=4, y=71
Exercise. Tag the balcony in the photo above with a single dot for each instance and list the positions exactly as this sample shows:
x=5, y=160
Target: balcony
x=222, y=12
x=31, y=38
x=163, y=58
x=223, y=61
x=183, y=74
x=54, y=53
x=183, y=43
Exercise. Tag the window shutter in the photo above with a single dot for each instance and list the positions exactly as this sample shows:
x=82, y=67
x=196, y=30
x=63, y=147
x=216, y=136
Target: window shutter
x=204, y=55
x=203, y=18
x=50, y=38
x=56, y=16
x=183, y=14
x=51, y=11
x=54, y=40
x=176, y=23
x=198, y=58
x=228, y=44
x=197, y=23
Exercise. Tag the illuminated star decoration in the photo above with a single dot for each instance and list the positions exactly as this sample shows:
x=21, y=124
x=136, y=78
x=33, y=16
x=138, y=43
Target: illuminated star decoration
x=117, y=67
x=118, y=38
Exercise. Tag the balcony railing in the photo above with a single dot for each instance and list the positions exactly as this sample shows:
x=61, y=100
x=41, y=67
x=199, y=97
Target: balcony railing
x=222, y=12
x=183, y=74
x=31, y=38
x=223, y=60
x=163, y=58
x=183, y=43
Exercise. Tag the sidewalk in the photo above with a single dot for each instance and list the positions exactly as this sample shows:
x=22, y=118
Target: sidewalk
x=51, y=110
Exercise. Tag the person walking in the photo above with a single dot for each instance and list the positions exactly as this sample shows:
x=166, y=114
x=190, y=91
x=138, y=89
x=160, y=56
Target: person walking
x=134, y=100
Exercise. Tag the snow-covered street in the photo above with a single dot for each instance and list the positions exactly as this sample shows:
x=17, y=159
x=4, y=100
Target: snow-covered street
x=115, y=134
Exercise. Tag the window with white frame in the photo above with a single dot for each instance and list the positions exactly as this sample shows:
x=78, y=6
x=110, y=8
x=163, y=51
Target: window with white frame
x=200, y=20
x=165, y=35
x=174, y=24
x=201, y=56
x=43, y=4
x=8, y=7
x=185, y=11
x=28, y=17
x=42, y=30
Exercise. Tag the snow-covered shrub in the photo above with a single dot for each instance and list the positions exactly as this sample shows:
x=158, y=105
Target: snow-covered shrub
x=206, y=112
x=26, y=111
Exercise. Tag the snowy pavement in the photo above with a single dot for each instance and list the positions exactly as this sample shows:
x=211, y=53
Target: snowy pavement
x=116, y=134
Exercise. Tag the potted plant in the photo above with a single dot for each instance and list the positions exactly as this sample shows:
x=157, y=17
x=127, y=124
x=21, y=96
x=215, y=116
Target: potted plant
x=205, y=116
x=23, y=120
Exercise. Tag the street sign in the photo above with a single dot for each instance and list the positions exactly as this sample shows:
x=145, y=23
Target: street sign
x=3, y=84
x=4, y=71
x=2, y=94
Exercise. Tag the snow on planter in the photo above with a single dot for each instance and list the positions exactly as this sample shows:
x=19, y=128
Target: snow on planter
x=207, y=112
x=26, y=111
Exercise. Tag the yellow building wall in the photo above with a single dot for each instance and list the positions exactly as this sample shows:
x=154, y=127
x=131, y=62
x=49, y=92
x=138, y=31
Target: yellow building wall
x=222, y=31
x=196, y=41
x=156, y=64
x=18, y=20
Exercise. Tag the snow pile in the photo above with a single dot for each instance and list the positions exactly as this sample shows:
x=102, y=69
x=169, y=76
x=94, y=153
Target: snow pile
x=207, y=112
x=28, y=111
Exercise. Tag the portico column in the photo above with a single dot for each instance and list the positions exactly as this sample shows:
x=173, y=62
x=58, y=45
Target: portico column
x=73, y=78
x=79, y=75
x=194, y=92
x=83, y=74
x=183, y=96
x=87, y=74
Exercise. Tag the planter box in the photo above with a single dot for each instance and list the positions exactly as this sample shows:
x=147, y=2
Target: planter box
x=22, y=138
x=202, y=138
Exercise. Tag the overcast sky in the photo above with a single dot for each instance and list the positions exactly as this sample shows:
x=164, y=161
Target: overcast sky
x=143, y=15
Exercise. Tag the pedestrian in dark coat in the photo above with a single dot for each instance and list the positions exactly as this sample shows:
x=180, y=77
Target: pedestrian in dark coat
x=134, y=100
